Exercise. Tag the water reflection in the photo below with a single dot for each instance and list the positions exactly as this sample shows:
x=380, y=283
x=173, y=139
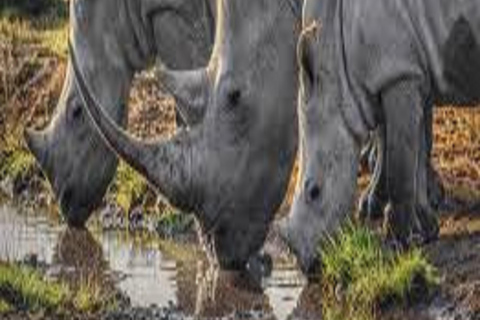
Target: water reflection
x=78, y=259
x=309, y=305
x=223, y=293
x=146, y=270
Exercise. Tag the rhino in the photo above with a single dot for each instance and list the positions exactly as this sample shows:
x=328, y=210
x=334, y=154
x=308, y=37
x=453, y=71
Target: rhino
x=375, y=197
x=232, y=169
x=369, y=65
x=114, y=39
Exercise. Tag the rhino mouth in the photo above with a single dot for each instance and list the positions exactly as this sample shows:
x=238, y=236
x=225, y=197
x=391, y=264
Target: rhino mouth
x=76, y=210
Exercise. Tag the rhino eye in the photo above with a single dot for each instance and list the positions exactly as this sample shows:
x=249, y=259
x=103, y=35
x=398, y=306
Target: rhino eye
x=76, y=113
x=312, y=190
x=234, y=97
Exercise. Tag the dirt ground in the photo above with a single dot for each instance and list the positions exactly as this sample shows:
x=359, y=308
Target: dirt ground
x=31, y=80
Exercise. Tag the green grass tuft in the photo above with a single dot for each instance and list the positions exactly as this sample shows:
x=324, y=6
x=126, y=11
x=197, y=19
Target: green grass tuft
x=128, y=187
x=23, y=288
x=17, y=163
x=4, y=306
x=367, y=276
x=27, y=288
x=88, y=297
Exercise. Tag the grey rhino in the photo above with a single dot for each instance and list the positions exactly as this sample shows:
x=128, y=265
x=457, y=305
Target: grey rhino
x=376, y=64
x=114, y=39
x=232, y=169
x=374, y=199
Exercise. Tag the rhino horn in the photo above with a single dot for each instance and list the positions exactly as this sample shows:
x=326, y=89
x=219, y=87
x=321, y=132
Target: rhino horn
x=165, y=164
x=190, y=90
x=37, y=143
x=306, y=56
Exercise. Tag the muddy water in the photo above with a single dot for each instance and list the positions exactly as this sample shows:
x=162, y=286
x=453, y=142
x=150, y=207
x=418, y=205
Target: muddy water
x=165, y=274
x=148, y=271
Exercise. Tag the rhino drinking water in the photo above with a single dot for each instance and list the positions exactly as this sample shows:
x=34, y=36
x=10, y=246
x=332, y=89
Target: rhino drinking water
x=232, y=170
x=114, y=39
x=367, y=64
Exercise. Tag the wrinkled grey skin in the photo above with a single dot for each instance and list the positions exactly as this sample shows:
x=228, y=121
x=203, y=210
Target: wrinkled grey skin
x=357, y=76
x=232, y=170
x=374, y=199
x=114, y=39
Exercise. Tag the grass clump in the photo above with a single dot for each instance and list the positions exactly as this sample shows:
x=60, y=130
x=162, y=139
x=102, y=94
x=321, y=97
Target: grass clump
x=25, y=288
x=4, y=306
x=17, y=164
x=361, y=276
x=88, y=297
x=128, y=188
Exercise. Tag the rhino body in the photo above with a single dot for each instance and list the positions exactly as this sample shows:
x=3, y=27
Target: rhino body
x=114, y=39
x=231, y=170
x=369, y=65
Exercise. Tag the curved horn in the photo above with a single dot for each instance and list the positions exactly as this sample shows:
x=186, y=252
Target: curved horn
x=305, y=56
x=37, y=143
x=190, y=90
x=167, y=165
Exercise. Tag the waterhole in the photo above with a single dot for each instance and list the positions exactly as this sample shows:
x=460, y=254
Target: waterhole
x=148, y=271
x=153, y=272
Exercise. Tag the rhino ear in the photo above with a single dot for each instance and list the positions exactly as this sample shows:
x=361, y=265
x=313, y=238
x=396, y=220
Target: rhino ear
x=191, y=90
x=306, y=57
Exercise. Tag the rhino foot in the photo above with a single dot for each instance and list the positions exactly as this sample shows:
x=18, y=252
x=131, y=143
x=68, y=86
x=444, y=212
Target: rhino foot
x=407, y=225
x=430, y=228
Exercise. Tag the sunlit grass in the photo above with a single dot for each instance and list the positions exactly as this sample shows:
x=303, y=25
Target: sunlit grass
x=128, y=187
x=23, y=40
x=24, y=288
x=88, y=297
x=361, y=276
x=28, y=289
x=53, y=38
x=48, y=30
x=4, y=306
x=16, y=163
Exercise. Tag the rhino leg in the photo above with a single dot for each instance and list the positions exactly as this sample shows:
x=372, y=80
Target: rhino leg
x=409, y=216
x=375, y=198
x=434, y=187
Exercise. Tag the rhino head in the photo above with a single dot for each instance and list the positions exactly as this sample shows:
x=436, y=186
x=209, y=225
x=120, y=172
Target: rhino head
x=113, y=39
x=232, y=170
x=331, y=136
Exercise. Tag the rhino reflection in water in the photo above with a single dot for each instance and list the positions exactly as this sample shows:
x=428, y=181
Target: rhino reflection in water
x=114, y=39
x=81, y=260
x=233, y=169
x=376, y=63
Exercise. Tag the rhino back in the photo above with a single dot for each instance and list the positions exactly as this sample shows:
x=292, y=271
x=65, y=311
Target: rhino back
x=435, y=41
